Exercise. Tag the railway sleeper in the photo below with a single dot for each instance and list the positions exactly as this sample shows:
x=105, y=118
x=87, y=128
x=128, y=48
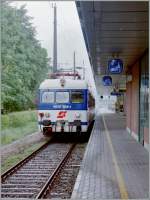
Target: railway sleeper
x=5, y=185
x=26, y=179
x=17, y=195
x=30, y=175
x=19, y=190
x=25, y=182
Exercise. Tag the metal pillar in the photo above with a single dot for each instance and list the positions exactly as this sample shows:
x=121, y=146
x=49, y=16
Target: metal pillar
x=74, y=63
x=55, y=41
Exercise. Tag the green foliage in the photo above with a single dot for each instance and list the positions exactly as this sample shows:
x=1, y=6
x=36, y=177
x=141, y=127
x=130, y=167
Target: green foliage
x=24, y=61
x=14, y=159
x=16, y=125
x=18, y=119
x=10, y=135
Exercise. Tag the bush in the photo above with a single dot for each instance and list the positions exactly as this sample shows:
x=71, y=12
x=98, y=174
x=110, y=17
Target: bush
x=16, y=125
x=18, y=119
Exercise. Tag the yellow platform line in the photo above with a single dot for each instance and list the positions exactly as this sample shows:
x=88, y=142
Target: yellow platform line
x=121, y=183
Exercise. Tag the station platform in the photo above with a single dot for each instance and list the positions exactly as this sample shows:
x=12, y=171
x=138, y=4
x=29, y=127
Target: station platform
x=115, y=166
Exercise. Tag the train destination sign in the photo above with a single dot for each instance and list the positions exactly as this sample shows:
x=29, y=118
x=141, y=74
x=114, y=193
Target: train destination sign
x=115, y=66
x=107, y=80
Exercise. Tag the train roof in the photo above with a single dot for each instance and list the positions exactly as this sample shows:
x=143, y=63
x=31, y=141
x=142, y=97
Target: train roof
x=63, y=84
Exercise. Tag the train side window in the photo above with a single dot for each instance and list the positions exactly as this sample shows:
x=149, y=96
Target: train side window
x=47, y=97
x=77, y=97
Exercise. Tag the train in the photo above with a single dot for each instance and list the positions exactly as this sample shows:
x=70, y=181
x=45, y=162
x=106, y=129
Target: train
x=65, y=105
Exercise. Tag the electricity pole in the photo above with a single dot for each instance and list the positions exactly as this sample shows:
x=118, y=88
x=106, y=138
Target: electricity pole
x=74, y=63
x=55, y=41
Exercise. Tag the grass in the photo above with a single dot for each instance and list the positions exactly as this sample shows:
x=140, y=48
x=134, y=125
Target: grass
x=14, y=159
x=17, y=125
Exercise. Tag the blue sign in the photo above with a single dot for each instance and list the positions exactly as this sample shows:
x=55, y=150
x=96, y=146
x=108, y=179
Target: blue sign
x=115, y=66
x=115, y=93
x=107, y=80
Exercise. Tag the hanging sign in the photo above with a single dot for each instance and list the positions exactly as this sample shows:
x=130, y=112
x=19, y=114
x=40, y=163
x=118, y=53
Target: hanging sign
x=115, y=66
x=115, y=93
x=107, y=80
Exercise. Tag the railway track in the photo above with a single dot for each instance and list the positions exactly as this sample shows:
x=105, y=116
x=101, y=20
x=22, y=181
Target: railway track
x=32, y=177
x=62, y=186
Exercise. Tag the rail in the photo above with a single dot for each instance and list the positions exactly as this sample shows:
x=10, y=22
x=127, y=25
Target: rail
x=22, y=162
x=47, y=186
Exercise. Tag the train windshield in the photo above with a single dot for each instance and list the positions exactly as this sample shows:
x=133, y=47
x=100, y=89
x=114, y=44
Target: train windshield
x=62, y=97
x=47, y=97
x=77, y=97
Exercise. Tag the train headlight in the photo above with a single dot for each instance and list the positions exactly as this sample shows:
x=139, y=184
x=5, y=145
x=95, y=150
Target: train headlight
x=78, y=115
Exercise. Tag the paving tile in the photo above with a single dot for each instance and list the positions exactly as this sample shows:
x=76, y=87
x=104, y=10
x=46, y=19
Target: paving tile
x=97, y=176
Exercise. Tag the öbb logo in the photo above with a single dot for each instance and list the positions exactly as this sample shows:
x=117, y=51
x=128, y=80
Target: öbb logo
x=62, y=114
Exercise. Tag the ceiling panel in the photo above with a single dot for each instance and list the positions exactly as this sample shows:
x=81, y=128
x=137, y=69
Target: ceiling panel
x=114, y=28
x=122, y=26
x=120, y=6
x=124, y=34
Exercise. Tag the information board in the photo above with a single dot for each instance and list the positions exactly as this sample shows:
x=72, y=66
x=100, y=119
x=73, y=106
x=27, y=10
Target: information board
x=115, y=93
x=115, y=66
x=107, y=80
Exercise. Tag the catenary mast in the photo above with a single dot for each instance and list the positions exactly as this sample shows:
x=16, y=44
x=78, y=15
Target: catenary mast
x=55, y=41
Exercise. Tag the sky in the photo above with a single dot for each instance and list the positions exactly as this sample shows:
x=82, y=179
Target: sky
x=69, y=36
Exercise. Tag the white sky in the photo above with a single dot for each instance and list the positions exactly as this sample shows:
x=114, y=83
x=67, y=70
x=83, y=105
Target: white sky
x=69, y=37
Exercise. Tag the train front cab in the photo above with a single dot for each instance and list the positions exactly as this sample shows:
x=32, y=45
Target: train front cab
x=68, y=112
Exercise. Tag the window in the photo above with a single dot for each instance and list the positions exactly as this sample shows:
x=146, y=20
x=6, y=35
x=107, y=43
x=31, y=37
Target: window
x=144, y=99
x=144, y=92
x=47, y=97
x=77, y=97
x=62, y=97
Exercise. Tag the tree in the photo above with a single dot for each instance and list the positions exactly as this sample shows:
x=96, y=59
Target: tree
x=24, y=61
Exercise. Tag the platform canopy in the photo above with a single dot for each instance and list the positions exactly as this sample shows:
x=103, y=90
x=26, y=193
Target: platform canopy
x=114, y=29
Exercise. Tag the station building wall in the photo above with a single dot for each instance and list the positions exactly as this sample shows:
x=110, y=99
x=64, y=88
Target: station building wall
x=132, y=102
x=135, y=107
x=135, y=99
x=128, y=106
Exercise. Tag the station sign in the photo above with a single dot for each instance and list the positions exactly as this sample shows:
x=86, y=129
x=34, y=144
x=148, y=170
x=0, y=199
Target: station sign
x=115, y=93
x=115, y=66
x=107, y=80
